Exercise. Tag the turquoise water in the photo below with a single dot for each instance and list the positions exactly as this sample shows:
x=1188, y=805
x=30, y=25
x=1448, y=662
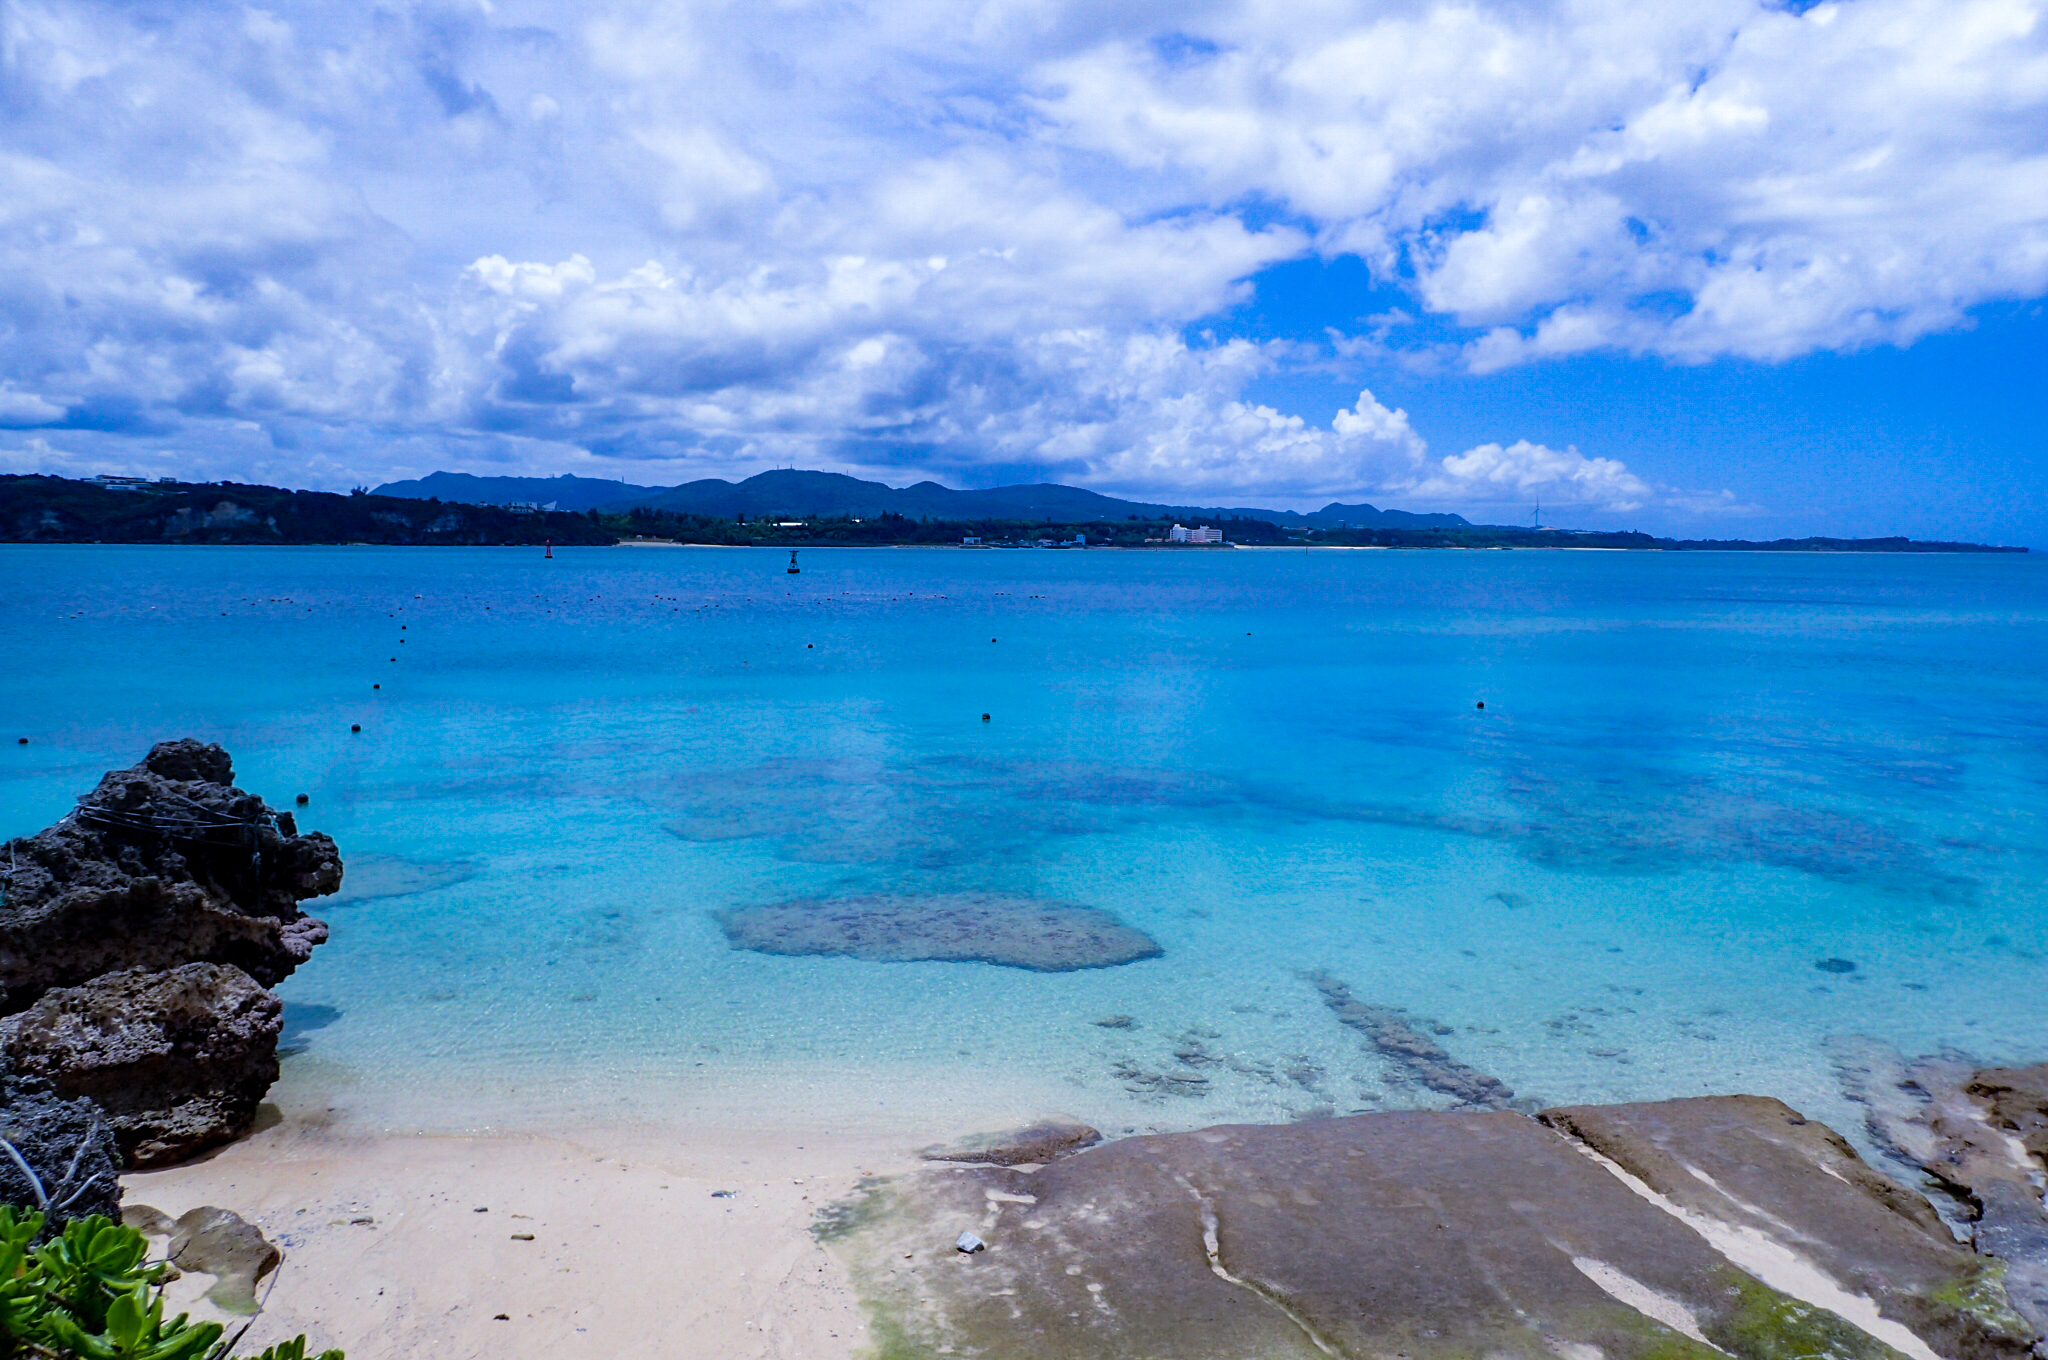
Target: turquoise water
x=1694, y=778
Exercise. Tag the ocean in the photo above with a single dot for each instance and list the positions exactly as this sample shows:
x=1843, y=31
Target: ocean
x=1718, y=813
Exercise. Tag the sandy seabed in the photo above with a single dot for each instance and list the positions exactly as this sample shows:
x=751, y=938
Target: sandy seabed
x=409, y=1245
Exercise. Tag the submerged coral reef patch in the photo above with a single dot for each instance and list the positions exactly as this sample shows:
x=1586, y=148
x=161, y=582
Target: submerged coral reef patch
x=1014, y=931
x=1393, y=1033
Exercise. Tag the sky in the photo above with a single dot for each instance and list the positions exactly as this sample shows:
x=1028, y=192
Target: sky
x=1719, y=268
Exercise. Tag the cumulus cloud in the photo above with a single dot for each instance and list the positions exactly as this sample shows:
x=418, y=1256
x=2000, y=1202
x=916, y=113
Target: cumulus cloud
x=339, y=241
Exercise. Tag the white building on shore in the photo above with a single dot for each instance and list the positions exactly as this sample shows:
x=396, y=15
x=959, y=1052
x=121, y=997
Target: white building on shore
x=1202, y=535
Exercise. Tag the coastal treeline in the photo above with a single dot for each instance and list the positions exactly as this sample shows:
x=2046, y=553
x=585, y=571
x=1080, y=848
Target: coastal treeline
x=889, y=528
x=41, y=509
x=38, y=509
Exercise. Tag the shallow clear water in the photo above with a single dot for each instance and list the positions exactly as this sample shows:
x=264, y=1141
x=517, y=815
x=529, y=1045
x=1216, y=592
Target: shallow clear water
x=1694, y=777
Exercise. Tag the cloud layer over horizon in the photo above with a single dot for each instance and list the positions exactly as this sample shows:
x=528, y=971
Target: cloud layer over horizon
x=315, y=244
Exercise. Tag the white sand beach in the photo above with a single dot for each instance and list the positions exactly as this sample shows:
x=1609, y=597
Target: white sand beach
x=404, y=1246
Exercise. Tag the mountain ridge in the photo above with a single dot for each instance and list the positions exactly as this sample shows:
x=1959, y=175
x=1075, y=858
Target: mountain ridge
x=799, y=492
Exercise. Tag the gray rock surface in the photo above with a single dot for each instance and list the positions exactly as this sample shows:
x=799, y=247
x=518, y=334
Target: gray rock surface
x=1980, y=1134
x=1019, y=932
x=1398, y=1236
x=163, y=864
x=213, y=1241
x=1035, y=1143
x=178, y=1060
x=67, y=1144
x=1758, y=1166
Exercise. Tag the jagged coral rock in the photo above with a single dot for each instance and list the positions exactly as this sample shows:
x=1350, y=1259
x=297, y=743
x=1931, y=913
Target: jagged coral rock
x=68, y=1145
x=160, y=865
x=178, y=1059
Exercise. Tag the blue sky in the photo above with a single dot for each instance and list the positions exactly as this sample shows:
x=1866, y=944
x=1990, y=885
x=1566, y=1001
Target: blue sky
x=1728, y=268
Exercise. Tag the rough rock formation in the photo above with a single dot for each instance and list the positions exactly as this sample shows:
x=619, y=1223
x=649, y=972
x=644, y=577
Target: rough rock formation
x=1036, y=1143
x=1755, y=1165
x=1426, y=1236
x=136, y=939
x=68, y=1148
x=163, y=864
x=1981, y=1134
x=179, y=1060
x=1020, y=932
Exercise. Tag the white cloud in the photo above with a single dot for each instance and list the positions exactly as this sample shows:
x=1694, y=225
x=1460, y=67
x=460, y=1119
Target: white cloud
x=1523, y=471
x=921, y=238
x=19, y=409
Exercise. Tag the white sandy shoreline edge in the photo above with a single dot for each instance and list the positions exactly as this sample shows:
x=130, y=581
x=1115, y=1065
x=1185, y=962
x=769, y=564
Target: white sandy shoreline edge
x=632, y=1254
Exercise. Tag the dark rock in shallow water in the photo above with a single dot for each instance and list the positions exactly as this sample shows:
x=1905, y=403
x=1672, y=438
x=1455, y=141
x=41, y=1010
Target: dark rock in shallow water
x=1019, y=932
x=179, y=1060
x=1431, y=1236
x=161, y=865
x=68, y=1144
x=1040, y=1142
x=1415, y=1055
x=1836, y=966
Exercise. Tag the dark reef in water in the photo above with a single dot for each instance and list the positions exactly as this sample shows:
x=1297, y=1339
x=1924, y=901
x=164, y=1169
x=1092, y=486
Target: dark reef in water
x=137, y=938
x=1393, y=1033
x=1017, y=932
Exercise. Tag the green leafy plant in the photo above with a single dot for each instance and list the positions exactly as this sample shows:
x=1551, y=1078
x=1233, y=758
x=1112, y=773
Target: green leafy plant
x=90, y=1293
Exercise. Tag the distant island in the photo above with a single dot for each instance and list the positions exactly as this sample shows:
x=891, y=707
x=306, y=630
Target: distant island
x=774, y=509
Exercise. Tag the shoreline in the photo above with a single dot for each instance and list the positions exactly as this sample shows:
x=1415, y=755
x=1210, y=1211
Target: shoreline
x=681, y=1240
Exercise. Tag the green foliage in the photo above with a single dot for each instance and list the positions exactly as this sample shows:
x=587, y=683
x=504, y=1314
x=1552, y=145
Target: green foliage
x=90, y=1294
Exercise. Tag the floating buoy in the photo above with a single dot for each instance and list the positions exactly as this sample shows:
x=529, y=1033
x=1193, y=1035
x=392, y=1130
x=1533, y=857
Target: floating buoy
x=794, y=569
x=549, y=553
x=376, y=687
x=1482, y=703
x=991, y=639
x=984, y=717
x=303, y=799
x=355, y=727
x=21, y=741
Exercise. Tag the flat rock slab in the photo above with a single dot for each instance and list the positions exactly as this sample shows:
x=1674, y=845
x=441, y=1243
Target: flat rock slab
x=1756, y=1167
x=1020, y=932
x=1399, y=1236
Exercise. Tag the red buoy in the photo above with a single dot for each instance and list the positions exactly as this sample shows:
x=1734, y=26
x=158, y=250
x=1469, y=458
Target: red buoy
x=551, y=549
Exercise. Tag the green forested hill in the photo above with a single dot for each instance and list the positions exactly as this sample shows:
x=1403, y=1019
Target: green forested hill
x=38, y=509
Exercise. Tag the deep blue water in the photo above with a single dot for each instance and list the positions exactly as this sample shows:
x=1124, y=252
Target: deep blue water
x=1694, y=778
